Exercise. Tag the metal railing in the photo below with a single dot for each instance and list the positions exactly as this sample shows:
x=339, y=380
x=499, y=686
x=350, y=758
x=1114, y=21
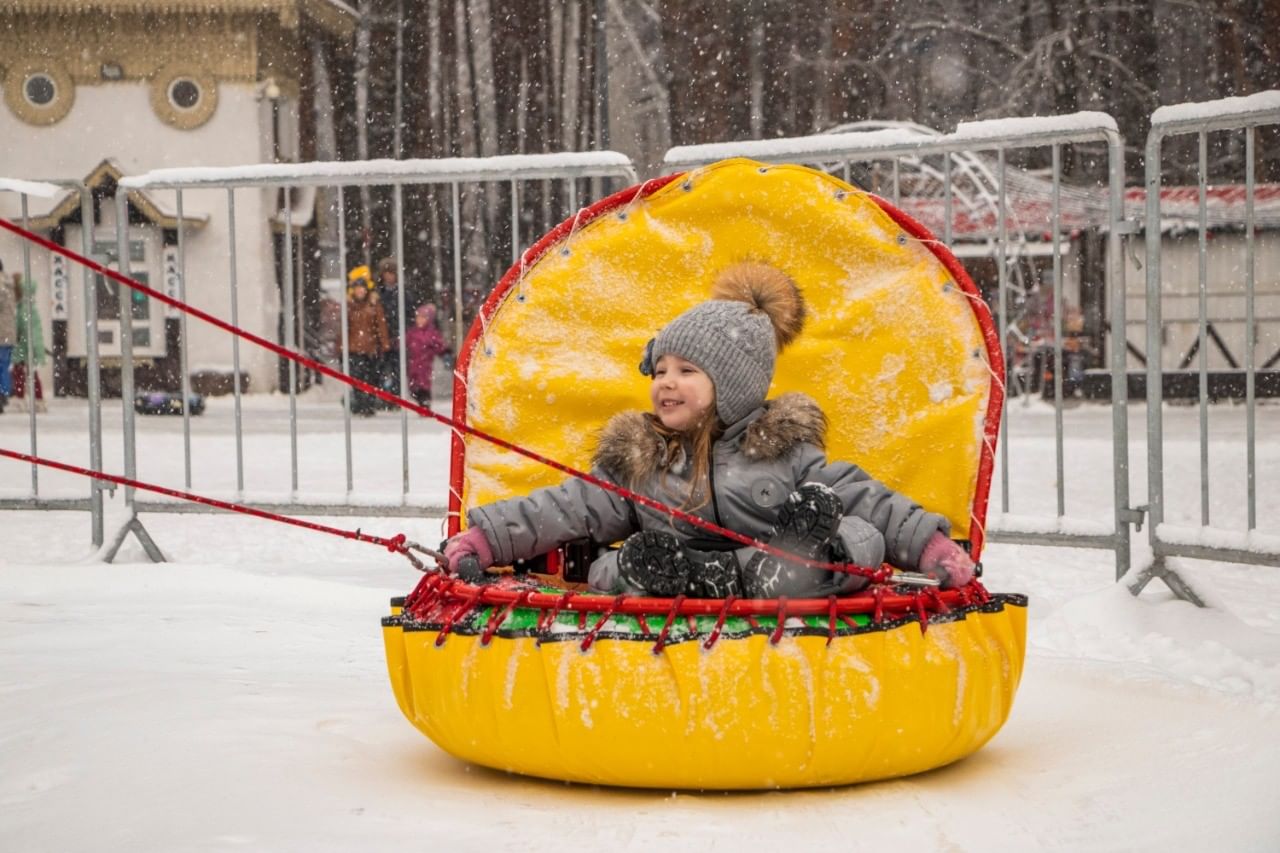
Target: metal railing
x=1205, y=541
x=951, y=162
x=515, y=170
x=908, y=147
x=94, y=503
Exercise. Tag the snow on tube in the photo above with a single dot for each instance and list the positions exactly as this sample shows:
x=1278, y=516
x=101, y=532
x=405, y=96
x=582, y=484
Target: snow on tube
x=899, y=351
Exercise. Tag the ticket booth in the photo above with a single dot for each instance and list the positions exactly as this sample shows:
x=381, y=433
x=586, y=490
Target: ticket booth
x=145, y=265
x=153, y=260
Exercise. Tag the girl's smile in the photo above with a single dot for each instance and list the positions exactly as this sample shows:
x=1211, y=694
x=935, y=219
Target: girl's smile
x=681, y=392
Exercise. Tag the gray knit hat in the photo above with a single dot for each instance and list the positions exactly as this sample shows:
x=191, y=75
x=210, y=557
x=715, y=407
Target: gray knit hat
x=754, y=311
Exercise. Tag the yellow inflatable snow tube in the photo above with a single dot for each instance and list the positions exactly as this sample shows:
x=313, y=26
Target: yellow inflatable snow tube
x=745, y=714
x=899, y=351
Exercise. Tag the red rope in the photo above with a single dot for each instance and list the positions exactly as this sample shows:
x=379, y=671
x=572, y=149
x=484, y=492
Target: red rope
x=460, y=610
x=499, y=616
x=551, y=613
x=608, y=614
x=880, y=601
x=397, y=544
x=877, y=613
x=450, y=601
x=666, y=626
x=877, y=575
x=782, y=621
x=719, y=626
x=831, y=619
x=922, y=613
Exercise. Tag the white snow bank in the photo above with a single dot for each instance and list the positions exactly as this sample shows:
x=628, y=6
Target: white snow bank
x=521, y=166
x=1170, y=638
x=36, y=188
x=1224, y=108
x=238, y=698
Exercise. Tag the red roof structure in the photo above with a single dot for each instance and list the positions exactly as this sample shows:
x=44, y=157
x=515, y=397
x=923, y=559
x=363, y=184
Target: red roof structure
x=1029, y=210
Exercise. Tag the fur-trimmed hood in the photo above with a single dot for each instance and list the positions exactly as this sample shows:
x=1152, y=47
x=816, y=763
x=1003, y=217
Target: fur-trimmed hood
x=631, y=449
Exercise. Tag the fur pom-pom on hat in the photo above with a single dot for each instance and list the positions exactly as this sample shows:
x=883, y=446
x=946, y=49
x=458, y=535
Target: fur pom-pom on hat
x=755, y=310
x=768, y=290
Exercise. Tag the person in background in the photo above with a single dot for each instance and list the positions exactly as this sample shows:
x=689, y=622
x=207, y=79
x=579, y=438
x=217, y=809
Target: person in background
x=423, y=343
x=367, y=337
x=29, y=339
x=389, y=284
x=8, y=336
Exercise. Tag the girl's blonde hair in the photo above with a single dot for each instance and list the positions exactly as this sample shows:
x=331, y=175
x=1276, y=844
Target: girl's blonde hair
x=701, y=439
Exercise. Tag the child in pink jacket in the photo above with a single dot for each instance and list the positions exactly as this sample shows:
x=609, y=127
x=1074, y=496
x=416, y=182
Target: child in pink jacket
x=422, y=344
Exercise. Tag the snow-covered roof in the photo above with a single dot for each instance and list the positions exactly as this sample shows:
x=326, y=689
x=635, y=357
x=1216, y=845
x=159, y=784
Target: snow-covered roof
x=1224, y=205
x=334, y=15
x=157, y=210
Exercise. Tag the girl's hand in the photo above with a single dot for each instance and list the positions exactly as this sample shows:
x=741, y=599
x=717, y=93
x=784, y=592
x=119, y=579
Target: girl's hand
x=946, y=561
x=470, y=543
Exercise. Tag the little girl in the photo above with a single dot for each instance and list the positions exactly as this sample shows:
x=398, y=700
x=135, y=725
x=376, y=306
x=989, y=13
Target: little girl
x=422, y=344
x=716, y=448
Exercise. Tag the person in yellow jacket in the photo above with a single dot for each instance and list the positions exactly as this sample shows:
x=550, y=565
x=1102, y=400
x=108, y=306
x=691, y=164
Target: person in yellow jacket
x=366, y=335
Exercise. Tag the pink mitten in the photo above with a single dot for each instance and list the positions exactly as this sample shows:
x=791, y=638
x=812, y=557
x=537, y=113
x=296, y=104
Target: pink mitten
x=470, y=543
x=946, y=561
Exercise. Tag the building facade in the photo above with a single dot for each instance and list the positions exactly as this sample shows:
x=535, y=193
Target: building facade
x=94, y=90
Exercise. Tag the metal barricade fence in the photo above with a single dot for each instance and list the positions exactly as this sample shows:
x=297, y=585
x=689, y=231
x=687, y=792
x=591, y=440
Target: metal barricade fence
x=912, y=148
x=49, y=189
x=517, y=170
x=967, y=186
x=1205, y=541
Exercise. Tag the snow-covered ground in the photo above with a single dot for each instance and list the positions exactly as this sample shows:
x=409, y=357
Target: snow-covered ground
x=236, y=697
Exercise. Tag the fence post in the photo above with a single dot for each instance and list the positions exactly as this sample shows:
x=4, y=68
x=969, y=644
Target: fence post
x=93, y=378
x=1116, y=285
x=131, y=524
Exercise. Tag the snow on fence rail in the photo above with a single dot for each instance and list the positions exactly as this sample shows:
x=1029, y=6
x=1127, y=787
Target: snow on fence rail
x=1017, y=132
x=523, y=167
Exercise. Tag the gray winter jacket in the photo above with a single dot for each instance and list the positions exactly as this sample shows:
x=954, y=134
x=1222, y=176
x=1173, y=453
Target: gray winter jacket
x=8, y=315
x=759, y=461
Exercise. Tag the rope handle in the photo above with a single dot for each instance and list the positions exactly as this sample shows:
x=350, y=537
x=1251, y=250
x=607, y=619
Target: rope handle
x=398, y=544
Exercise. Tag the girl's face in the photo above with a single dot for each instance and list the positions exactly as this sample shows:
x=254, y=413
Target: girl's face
x=420, y=320
x=681, y=393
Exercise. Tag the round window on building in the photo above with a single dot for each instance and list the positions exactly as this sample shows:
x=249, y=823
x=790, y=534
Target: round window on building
x=184, y=93
x=38, y=92
x=39, y=89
